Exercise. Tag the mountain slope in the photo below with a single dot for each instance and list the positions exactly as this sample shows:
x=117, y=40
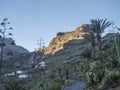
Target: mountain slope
x=11, y=49
x=68, y=57
x=61, y=38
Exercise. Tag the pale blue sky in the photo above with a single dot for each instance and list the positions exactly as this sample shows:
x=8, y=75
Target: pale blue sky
x=32, y=19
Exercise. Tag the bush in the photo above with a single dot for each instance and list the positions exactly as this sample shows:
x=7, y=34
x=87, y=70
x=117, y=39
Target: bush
x=110, y=81
x=94, y=74
x=60, y=33
x=87, y=53
x=55, y=86
x=15, y=85
x=68, y=82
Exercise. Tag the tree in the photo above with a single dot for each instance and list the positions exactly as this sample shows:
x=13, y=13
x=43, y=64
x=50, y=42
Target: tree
x=118, y=29
x=91, y=38
x=4, y=24
x=98, y=26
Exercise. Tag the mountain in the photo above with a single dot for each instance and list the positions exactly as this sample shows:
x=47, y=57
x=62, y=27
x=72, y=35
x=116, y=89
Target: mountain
x=11, y=49
x=62, y=57
x=61, y=38
x=69, y=51
x=63, y=48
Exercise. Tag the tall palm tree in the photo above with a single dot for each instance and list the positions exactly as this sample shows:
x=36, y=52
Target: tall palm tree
x=98, y=26
x=91, y=38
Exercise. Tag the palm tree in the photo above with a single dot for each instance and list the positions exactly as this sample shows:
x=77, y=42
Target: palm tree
x=91, y=38
x=118, y=29
x=98, y=26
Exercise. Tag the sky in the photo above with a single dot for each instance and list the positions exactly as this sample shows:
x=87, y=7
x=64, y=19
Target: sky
x=32, y=19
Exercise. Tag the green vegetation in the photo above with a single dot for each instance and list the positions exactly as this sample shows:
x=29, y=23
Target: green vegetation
x=93, y=60
x=15, y=85
x=98, y=26
x=105, y=58
x=111, y=80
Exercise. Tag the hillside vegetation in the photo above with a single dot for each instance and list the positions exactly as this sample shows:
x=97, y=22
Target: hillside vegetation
x=89, y=58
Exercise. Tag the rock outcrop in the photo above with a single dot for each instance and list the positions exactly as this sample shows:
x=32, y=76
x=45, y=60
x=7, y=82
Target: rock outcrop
x=63, y=37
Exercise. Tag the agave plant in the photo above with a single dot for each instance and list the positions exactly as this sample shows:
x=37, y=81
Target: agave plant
x=110, y=81
x=15, y=85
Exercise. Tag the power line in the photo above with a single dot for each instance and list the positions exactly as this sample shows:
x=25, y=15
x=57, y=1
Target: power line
x=40, y=43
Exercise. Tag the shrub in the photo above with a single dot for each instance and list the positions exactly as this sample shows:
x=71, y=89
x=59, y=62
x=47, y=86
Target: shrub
x=94, y=74
x=87, y=53
x=55, y=86
x=110, y=81
x=14, y=85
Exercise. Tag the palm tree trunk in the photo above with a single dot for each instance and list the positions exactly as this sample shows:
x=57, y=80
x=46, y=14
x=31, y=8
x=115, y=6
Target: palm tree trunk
x=93, y=49
x=99, y=41
x=99, y=45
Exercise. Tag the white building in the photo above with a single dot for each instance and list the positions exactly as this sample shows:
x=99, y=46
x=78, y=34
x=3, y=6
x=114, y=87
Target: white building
x=19, y=72
x=21, y=76
x=42, y=64
x=9, y=74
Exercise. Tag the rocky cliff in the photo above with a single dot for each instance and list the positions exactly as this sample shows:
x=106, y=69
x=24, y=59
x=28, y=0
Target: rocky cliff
x=63, y=37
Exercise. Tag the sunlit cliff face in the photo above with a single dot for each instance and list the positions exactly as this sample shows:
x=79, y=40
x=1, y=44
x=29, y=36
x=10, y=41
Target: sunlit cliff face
x=61, y=38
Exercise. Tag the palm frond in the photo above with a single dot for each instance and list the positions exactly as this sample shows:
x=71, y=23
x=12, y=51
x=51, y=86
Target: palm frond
x=118, y=29
x=99, y=25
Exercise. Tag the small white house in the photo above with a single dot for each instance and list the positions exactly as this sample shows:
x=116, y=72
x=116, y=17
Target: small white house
x=36, y=66
x=19, y=72
x=42, y=64
x=21, y=76
x=10, y=74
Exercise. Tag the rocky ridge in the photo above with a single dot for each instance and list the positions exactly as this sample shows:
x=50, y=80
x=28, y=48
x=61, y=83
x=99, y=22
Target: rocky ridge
x=61, y=38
